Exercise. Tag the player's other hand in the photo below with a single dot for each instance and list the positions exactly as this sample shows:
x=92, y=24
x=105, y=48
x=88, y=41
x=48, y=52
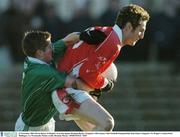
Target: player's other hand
x=71, y=38
x=94, y=37
x=70, y=81
x=98, y=92
x=109, y=86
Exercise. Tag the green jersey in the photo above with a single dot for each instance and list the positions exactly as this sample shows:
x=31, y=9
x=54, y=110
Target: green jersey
x=39, y=81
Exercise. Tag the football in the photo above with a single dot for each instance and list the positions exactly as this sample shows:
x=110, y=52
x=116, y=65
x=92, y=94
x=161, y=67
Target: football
x=111, y=72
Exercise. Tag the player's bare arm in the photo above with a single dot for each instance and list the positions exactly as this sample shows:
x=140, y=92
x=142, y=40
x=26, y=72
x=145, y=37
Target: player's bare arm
x=71, y=38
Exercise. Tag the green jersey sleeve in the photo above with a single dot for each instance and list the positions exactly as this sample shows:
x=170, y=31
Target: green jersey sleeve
x=53, y=79
x=59, y=49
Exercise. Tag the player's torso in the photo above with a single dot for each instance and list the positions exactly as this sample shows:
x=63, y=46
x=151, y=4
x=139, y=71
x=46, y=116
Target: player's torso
x=36, y=102
x=78, y=53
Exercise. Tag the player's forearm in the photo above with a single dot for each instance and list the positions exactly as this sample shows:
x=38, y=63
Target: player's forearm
x=83, y=86
x=72, y=38
x=69, y=81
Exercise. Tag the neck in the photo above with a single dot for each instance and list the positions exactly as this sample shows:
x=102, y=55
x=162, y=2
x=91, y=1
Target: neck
x=124, y=36
x=123, y=41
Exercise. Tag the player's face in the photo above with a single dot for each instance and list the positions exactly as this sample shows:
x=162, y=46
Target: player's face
x=136, y=34
x=47, y=53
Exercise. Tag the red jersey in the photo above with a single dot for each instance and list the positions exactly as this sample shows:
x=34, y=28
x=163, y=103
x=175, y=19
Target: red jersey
x=89, y=61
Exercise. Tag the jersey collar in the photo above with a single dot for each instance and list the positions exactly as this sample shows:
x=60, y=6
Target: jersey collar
x=35, y=60
x=118, y=31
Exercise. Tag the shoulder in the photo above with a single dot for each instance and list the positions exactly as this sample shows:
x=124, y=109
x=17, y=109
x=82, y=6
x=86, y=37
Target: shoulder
x=105, y=29
x=43, y=70
x=58, y=43
x=50, y=72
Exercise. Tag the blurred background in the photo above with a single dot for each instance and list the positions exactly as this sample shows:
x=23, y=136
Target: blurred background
x=146, y=96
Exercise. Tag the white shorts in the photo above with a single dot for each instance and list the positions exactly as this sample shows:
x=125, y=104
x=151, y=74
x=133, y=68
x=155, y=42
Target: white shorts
x=78, y=95
x=20, y=126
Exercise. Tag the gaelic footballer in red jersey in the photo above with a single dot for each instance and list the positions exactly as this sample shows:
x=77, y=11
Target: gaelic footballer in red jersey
x=89, y=61
x=89, y=58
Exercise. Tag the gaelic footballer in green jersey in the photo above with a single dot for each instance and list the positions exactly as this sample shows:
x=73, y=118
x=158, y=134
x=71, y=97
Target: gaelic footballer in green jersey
x=40, y=79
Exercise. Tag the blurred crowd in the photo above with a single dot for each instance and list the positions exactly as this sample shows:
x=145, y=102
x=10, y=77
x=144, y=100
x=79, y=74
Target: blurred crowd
x=161, y=42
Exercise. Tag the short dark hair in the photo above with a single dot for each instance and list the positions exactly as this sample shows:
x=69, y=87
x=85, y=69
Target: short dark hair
x=133, y=14
x=34, y=40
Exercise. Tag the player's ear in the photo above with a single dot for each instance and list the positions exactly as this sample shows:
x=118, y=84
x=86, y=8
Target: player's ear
x=128, y=27
x=39, y=53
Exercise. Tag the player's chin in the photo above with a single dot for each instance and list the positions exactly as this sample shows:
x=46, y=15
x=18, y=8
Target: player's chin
x=133, y=43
